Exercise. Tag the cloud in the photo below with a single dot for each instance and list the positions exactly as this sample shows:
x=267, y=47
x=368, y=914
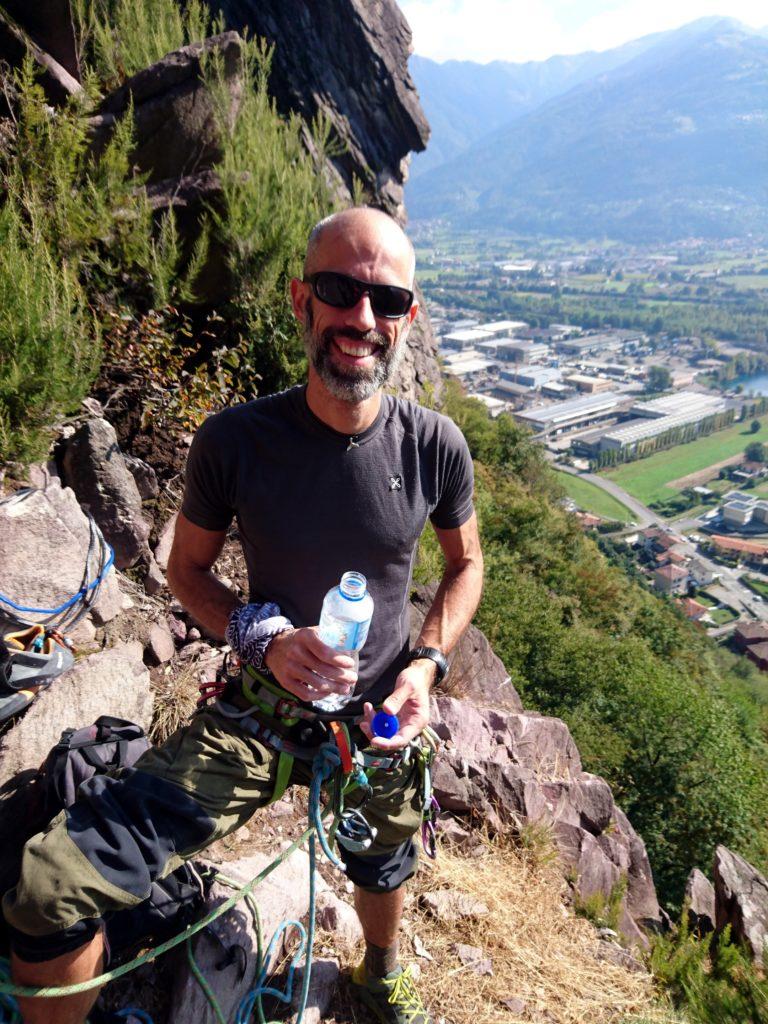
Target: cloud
x=636, y=18
x=484, y=30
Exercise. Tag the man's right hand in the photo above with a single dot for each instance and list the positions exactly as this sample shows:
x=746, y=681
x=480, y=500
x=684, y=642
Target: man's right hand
x=308, y=668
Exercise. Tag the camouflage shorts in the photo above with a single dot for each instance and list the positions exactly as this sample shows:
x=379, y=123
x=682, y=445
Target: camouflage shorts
x=203, y=783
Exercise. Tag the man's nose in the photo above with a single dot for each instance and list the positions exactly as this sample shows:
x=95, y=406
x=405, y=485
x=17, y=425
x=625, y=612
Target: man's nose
x=361, y=314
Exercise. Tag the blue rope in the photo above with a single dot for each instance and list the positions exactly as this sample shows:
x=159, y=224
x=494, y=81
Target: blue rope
x=326, y=761
x=73, y=600
x=132, y=1011
x=307, y=939
x=9, y=1008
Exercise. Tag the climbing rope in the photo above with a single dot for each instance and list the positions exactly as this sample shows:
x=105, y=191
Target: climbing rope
x=325, y=765
x=69, y=613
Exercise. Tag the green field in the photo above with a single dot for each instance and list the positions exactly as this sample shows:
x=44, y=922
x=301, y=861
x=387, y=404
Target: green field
x=757, y=586
x=590, y=498
x=646, y=479
x=722, y=616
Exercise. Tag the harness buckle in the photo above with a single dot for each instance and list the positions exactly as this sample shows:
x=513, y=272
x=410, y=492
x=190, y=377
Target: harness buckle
x=285, y=708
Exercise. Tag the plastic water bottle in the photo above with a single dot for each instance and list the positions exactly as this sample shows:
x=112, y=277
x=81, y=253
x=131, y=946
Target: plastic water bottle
x=344, y=621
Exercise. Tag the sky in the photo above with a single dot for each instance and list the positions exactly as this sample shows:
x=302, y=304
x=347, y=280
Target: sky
x=485, y=30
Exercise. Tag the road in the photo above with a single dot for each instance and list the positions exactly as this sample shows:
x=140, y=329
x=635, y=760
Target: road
x=643, y=516
x=733, y=591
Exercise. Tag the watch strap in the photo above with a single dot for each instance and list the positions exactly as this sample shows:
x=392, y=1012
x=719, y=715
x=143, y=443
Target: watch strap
x=434, y=655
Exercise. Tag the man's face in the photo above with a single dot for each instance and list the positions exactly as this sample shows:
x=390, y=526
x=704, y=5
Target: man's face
x=353, y=352
x=353, y=364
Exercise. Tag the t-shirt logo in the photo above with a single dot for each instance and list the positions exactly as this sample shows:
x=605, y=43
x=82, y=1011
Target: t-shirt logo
x=396, y=483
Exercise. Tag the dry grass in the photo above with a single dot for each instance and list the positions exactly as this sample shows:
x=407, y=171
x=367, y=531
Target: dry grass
x=541, y=954
x=175, y=701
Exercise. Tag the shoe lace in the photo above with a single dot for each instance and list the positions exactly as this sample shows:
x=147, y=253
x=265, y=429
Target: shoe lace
x=404, y=995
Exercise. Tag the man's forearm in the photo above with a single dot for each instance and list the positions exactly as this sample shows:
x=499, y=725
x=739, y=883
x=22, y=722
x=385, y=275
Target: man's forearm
x=205, y=597
x=454, y=605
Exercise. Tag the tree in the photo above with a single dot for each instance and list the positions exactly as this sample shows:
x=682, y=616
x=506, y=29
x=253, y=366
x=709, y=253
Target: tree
x=756, y=452
x=754, y=426
x=659, y=378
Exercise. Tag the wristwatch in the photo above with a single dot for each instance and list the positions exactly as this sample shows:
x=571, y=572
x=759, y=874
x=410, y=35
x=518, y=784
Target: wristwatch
x=434, y=655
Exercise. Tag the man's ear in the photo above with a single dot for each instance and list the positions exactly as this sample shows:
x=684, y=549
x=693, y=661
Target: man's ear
x=412, y=313
x=299, y=296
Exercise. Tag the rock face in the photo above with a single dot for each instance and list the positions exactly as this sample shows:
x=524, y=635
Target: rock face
x=351, y=63
x=113, y=682
x=515, y=768
x=741, y=895
x=95, y=469
x=44, y=542
x=283, y=895
x=700, y=899
x=475, y=672
x=175, y=127
x=16, y=44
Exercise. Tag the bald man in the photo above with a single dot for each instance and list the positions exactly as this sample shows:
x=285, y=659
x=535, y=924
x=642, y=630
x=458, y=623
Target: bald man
x=329, y=476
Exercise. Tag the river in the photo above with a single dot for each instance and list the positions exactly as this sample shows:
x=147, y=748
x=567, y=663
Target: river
x=757, y=383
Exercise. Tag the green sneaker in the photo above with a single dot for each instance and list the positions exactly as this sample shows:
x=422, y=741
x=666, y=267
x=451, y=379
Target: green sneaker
x=393, y=999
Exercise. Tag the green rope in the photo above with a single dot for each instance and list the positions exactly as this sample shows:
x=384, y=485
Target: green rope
x=203, y=983
x=152, y=954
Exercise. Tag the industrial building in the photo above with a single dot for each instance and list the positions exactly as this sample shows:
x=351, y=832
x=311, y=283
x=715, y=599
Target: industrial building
x=516, y=350
x=678, y=403
x=607, y=341
x=589, y=385
x=576, y=412
x=531, y=377
x=464, y=364
x=686, y=408
x=504, y=328
x=464, y=339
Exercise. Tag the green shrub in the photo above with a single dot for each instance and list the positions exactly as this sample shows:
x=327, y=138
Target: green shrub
x=715, y=982
x=120, y=37
x=84, y=236
x=49, y=342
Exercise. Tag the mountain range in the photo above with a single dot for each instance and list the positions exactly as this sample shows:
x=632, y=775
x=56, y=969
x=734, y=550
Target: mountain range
x=662, y=138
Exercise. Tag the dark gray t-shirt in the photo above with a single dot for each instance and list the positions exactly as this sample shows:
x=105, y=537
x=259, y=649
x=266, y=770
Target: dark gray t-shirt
x=310, y=506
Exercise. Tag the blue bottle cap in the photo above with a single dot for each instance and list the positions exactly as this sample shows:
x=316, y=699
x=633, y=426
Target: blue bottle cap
x=385, y=725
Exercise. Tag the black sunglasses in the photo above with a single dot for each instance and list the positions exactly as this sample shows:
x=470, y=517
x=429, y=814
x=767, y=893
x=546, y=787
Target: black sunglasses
x=343, y=292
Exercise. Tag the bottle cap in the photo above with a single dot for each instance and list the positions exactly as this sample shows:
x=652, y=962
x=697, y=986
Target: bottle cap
x=385, y=725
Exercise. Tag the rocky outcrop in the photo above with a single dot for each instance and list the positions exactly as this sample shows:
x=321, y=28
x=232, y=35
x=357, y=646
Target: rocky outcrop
x=45, y=540
x=351, y=64
x=475, y=672
x=518, y=769
x=94, y=467
x=700, y=903
x=741, y=897
x=173, y=112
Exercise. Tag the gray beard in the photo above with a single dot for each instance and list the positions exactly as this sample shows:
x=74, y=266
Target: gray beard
x=350, y=384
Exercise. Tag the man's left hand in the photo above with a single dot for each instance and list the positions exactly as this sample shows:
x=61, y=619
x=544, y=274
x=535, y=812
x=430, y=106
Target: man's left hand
x=409, y=701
